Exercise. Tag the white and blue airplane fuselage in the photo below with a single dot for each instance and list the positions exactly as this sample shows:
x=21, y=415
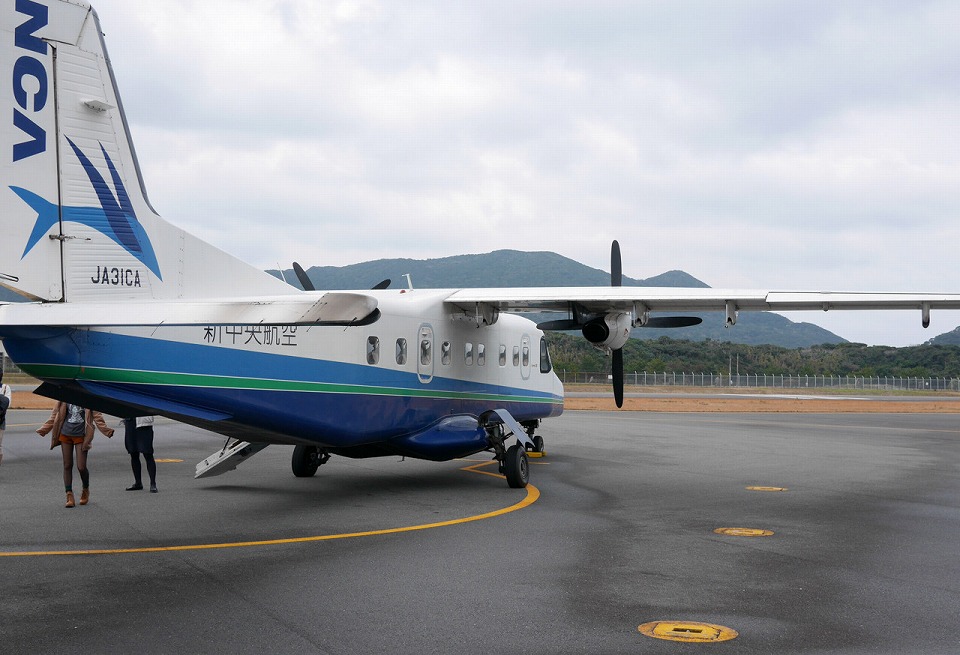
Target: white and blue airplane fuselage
x=388, y=387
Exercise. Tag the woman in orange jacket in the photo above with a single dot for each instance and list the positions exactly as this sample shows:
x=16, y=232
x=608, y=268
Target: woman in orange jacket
x=72, y=426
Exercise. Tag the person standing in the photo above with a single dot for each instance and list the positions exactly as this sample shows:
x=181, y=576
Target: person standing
x=6, y=397
x=73, y=426
x=138, y=438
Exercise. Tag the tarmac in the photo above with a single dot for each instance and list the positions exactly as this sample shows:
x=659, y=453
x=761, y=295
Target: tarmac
x=616, y=531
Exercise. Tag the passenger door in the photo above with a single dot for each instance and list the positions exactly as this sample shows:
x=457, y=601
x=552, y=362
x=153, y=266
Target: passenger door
x=425, y=353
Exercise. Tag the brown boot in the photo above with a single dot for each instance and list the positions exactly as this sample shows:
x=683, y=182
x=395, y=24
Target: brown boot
x=70, y=502
x=85, y=495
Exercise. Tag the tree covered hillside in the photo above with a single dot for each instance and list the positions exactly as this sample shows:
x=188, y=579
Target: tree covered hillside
x=575, y=354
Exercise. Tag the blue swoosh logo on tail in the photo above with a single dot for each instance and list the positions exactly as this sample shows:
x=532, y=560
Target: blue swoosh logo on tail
x=114, y=218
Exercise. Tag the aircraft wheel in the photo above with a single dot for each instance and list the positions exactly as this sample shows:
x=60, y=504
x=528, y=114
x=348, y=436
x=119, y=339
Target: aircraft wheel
x=306, y=460
x=538, y=444
x=516, y=467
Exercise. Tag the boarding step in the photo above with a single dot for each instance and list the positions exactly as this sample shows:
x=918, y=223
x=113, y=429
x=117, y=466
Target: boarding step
x=233, y=453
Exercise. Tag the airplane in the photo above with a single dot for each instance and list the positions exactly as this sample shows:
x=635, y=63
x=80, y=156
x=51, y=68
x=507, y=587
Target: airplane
x=132, y=316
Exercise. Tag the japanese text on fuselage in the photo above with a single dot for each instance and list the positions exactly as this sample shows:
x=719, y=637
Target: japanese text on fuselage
x=264, y=336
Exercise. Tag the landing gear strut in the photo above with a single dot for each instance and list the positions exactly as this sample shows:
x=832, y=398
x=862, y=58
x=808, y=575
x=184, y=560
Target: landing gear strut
x=307, y=459
x=513, y=461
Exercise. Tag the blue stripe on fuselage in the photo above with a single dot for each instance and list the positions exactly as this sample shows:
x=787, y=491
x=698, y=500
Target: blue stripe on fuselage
x=337, y=419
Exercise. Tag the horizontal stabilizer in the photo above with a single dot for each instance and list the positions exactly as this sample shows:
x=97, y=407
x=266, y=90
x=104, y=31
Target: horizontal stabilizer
x=332, y=308
x=76, y=395
x=173, y=409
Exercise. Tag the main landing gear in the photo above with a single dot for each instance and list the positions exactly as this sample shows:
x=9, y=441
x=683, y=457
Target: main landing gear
x=307, y=459
x=516, y=467
x=514, y=464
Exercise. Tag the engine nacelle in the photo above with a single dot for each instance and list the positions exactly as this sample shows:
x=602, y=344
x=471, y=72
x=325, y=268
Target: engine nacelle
x=610, y=331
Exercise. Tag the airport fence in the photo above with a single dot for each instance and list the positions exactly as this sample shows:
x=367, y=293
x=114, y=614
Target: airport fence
x=760, y=380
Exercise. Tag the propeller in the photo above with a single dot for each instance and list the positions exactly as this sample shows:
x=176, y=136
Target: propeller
x=307, y=284
x=598, y=328
x=302, y=276
x=672, y=321
x=616, y=280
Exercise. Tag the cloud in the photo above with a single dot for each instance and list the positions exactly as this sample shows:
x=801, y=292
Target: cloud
x=753, y=144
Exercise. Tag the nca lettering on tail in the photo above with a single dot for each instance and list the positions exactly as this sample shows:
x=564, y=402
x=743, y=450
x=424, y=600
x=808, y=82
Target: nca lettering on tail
x=30, y=83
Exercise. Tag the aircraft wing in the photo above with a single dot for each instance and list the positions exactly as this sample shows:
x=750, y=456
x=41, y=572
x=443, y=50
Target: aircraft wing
x=644, y=300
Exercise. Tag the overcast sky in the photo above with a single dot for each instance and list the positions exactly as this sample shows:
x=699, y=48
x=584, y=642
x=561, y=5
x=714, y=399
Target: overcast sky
x=770, y=145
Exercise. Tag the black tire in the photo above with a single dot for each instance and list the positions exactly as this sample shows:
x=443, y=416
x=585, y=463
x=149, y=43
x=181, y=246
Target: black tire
x=516, y=467
x=305, y=461
x=538, y=444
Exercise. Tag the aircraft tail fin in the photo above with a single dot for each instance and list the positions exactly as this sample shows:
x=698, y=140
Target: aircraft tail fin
x=74, y=214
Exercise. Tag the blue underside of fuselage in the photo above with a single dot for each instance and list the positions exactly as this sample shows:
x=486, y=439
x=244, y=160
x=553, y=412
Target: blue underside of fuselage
x=332, y=404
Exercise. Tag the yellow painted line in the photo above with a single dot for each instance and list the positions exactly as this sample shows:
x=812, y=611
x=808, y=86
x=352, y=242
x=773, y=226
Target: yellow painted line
x=744, y=532
x=688, y=631
x=168, y=461
x=532, y=495
x=766, y=489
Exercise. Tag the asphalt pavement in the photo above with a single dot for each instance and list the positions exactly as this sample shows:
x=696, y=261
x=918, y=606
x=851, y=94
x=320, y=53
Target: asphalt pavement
x=396, y=556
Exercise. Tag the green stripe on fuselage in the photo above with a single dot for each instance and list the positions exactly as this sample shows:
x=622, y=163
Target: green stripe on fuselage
x=161, y=378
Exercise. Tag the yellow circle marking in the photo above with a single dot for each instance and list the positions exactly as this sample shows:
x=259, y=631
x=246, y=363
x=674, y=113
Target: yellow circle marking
x=690, y=631
x=766, y=488
x=744, y=532
x=168, y=461
x=532, y=495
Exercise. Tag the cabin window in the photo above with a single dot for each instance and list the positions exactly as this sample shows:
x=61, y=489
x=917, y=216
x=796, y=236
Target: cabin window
x=468, y=353
x=516, y=355
x=503, y=355
x=401, y=351
x=526, y=355
x=426, y=356
x=445, y=353
x=545, y=365
x=373, y=350
x=481, y=355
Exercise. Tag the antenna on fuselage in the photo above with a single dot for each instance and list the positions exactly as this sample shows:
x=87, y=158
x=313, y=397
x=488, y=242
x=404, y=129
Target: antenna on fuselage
x=409, y=281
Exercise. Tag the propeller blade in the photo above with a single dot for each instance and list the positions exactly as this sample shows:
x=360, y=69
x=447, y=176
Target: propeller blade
x=672, y=321
x=302, y=276
x=562, y=324
x=383, y=284
x=616, y=266
x=617, y=370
